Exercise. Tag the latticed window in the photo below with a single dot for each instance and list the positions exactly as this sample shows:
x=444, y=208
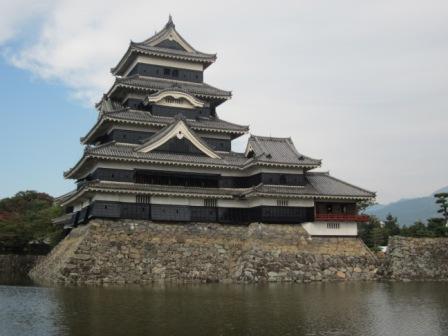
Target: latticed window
x=282, y=202
x=333, y=225
x=212, y=203
x=143, y=199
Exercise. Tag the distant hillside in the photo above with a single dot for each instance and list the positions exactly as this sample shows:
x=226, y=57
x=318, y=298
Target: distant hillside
x=408, y=210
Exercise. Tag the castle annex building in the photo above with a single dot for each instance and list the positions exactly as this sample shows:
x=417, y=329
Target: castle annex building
x=160, y=152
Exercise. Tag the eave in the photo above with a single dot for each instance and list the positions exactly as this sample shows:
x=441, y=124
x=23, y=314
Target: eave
x=97, y=188
x=105, y=118
x=120, y=84
x=71, y=173
x=134, y=50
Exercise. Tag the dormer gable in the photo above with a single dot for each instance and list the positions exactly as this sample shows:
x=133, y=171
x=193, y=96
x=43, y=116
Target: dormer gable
x=175, y=98
x=167, y=45
x=166, y=35
x=180, y=131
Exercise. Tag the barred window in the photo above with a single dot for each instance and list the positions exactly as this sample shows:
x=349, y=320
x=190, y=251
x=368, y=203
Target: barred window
x=333, y=225
x=212, y=203
x=282, y=202
x=143, y=199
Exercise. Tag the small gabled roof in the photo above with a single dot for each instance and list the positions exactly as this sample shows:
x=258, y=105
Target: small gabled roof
x=167, y=43
x=328, y=185
x=144, y=119
x=269, y=149
x=178, y=129
x=106, y=105
x=152, y=85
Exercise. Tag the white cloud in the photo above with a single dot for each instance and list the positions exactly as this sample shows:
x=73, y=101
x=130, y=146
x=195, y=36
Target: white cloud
x=15, y=14
x=362, y=85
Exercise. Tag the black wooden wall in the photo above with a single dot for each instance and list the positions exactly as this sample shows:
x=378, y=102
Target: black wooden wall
x=159, y=71
x=195, y=179
x=183, y=213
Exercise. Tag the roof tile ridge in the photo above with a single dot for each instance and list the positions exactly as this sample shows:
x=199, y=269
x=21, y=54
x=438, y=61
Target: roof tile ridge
x=123, y=109
x=294, y=149
x=88, y=149
x=194, y=53
x=349, y=184
x=231, y=123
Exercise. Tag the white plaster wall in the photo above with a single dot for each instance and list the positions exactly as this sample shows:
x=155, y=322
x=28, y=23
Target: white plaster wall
x=114, y=197
x=199, y=201
x=320, y=229
x=253, y=202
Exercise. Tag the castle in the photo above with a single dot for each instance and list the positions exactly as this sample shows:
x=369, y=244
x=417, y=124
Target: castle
x=160, y=152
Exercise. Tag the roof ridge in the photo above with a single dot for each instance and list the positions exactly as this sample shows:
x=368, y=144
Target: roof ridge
x=89, y=148
x=266, y=137
x=346, y=183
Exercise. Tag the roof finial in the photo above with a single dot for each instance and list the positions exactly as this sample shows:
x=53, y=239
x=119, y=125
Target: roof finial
x=170, y=22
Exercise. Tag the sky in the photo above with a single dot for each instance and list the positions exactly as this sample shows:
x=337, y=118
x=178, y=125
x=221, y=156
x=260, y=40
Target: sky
x=362, y=85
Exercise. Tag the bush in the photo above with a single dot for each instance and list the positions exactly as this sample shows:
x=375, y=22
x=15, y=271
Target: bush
x=25, y=219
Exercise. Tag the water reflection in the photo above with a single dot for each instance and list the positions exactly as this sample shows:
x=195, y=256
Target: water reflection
x=300, y=309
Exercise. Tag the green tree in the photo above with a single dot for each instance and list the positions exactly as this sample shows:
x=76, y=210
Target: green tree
x=391, y=225
x=442, y=201
x=25, y=218
x=418, y=229
x=437, y=227
x=372, y=233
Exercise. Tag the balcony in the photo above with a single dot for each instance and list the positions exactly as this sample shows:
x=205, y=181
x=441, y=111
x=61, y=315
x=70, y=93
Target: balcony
x=341, y=218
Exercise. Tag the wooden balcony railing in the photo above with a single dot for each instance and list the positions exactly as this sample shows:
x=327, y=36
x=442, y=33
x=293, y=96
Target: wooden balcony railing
x=341, y=218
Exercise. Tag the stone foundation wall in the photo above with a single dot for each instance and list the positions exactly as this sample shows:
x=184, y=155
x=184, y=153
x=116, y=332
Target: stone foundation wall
x=130, y=251
x=416, y=259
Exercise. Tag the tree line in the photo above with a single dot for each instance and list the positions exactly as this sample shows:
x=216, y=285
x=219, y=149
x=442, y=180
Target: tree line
x=376, y=232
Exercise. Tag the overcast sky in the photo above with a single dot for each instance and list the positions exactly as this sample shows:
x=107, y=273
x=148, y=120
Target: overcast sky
x=362, y=85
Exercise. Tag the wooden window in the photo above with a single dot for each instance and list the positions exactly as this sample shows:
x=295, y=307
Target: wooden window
x=333, y=226
x=329, y=208
x=282, y=202
x=282, y=179
x=212, y=203
x=175, y=73
x=166, y=71
x=143, y=199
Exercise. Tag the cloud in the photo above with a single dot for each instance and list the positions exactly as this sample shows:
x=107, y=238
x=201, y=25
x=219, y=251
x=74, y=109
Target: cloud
x=16, y=14
x=362, y=85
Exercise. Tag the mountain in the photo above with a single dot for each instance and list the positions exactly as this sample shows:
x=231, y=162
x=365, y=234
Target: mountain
x=408, y=210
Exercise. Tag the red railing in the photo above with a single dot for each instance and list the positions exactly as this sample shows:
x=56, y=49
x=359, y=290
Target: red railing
x=341, y=218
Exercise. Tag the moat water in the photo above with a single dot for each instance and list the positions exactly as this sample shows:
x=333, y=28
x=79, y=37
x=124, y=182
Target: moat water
x=330, y=309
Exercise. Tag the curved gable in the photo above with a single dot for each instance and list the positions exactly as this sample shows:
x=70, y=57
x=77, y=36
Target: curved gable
x=180, y=131
x=174, y=98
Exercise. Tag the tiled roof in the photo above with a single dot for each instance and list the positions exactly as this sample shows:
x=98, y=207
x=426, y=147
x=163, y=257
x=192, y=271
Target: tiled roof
x=228, y=160
x=114, y=150
x=197, y=124
x=316, y=189
x=269, y=149
x=282, y=191
x=151, y=46
x=319, y=185
x=193, y=56
x=152, y=84
x=160, y=189
x=113, y=111
x=324, y=184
